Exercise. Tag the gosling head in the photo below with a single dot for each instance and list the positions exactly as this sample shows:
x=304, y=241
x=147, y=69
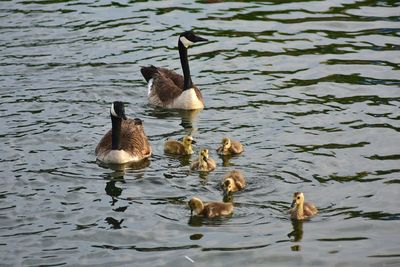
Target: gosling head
x=298, y=199
x=188, y=38
x=226, y=142
x=228, y=185
x=196, y=205
x=188, y=140
x=117, y=110
x=204, y=155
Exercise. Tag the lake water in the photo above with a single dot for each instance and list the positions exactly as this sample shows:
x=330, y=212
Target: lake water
x=311, y=88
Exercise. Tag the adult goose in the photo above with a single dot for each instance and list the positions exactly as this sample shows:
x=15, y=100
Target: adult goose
x=168, y=89
x=125, y=142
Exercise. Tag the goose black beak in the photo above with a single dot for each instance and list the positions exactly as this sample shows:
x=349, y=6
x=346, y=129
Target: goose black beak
x=205, y=159
x=194, y=142
x=199, y=39
x=293, y=203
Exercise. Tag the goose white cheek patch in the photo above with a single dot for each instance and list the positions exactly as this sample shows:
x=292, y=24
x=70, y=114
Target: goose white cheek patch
x=112, y=110
x=185, y=41
x=149, y=86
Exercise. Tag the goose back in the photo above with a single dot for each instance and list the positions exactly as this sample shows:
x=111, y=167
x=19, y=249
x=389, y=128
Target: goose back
x=134, y=143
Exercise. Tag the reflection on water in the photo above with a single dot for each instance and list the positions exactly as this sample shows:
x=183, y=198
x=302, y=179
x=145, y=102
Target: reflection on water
x=311, y=88
x=118, y=168
x=297, y=232
x=114, y=224
x=198, y=221
x=188, y=117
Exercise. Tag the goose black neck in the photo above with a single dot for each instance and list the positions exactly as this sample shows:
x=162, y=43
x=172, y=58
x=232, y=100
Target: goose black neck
x=116, y=133
x=185, y=66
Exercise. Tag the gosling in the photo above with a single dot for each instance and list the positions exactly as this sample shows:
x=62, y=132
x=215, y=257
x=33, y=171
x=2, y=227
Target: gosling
x=210, y=209
x=301, y=210
x=229, y=147
x=180, y=148
x=204, y=162
x=233, y=182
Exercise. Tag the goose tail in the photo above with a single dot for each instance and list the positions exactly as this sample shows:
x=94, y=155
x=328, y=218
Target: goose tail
x=148, y=72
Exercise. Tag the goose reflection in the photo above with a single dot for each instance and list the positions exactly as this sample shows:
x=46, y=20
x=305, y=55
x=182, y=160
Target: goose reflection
x=226, y=160
x=297, y=232
x=122, y=167
x=115, y=224
x=113, y=191
x=188, y=117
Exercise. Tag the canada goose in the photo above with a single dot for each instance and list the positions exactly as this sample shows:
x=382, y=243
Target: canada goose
x=125, y=142
x=229, y=147
x=180, y=148
x=203, y=162
x=301, y=210
x=170, y=90
x=233, y=182
x=211, y=209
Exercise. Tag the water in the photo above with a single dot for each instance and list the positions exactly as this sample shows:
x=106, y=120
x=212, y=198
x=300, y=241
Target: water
x=311, y=88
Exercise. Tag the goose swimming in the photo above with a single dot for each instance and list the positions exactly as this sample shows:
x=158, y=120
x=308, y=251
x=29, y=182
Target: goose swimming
x=125, y=142
x=168, y=89
x=210, y=209
x=178, y=147
x=301, y=210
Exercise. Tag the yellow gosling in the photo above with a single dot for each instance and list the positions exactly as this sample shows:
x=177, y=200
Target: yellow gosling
x=210, y=209
x=203, y=162
x=229, y=147
x=301, y=210
x=233, y=182
x=180, y=148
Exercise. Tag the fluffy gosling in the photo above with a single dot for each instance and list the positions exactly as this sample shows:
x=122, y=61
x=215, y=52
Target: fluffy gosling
x=210, y=209
x=180, y=148
x=301, y=210
x=203, y=162
x=233, y=182
x=229, y=147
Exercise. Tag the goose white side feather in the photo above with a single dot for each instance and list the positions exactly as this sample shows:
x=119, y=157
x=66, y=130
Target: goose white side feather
x=187, y=100
x=119, y=156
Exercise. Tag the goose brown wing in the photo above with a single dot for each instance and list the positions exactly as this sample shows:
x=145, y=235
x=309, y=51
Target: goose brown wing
x=134, y=139
x=105, y=144
x=167, y=84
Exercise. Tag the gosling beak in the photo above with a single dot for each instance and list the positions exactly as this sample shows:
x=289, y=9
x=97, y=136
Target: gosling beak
x=194, y=142
x=226, y=193
x=205, y=159
x=293, y=203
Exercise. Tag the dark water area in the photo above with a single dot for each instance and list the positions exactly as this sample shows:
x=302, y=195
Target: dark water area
x=311, y=88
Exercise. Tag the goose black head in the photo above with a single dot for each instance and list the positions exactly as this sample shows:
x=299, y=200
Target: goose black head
x=138, y=121
x=188, y=38
x=117, y=110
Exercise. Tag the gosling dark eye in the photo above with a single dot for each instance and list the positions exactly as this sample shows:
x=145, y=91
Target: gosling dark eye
x=298, y=197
